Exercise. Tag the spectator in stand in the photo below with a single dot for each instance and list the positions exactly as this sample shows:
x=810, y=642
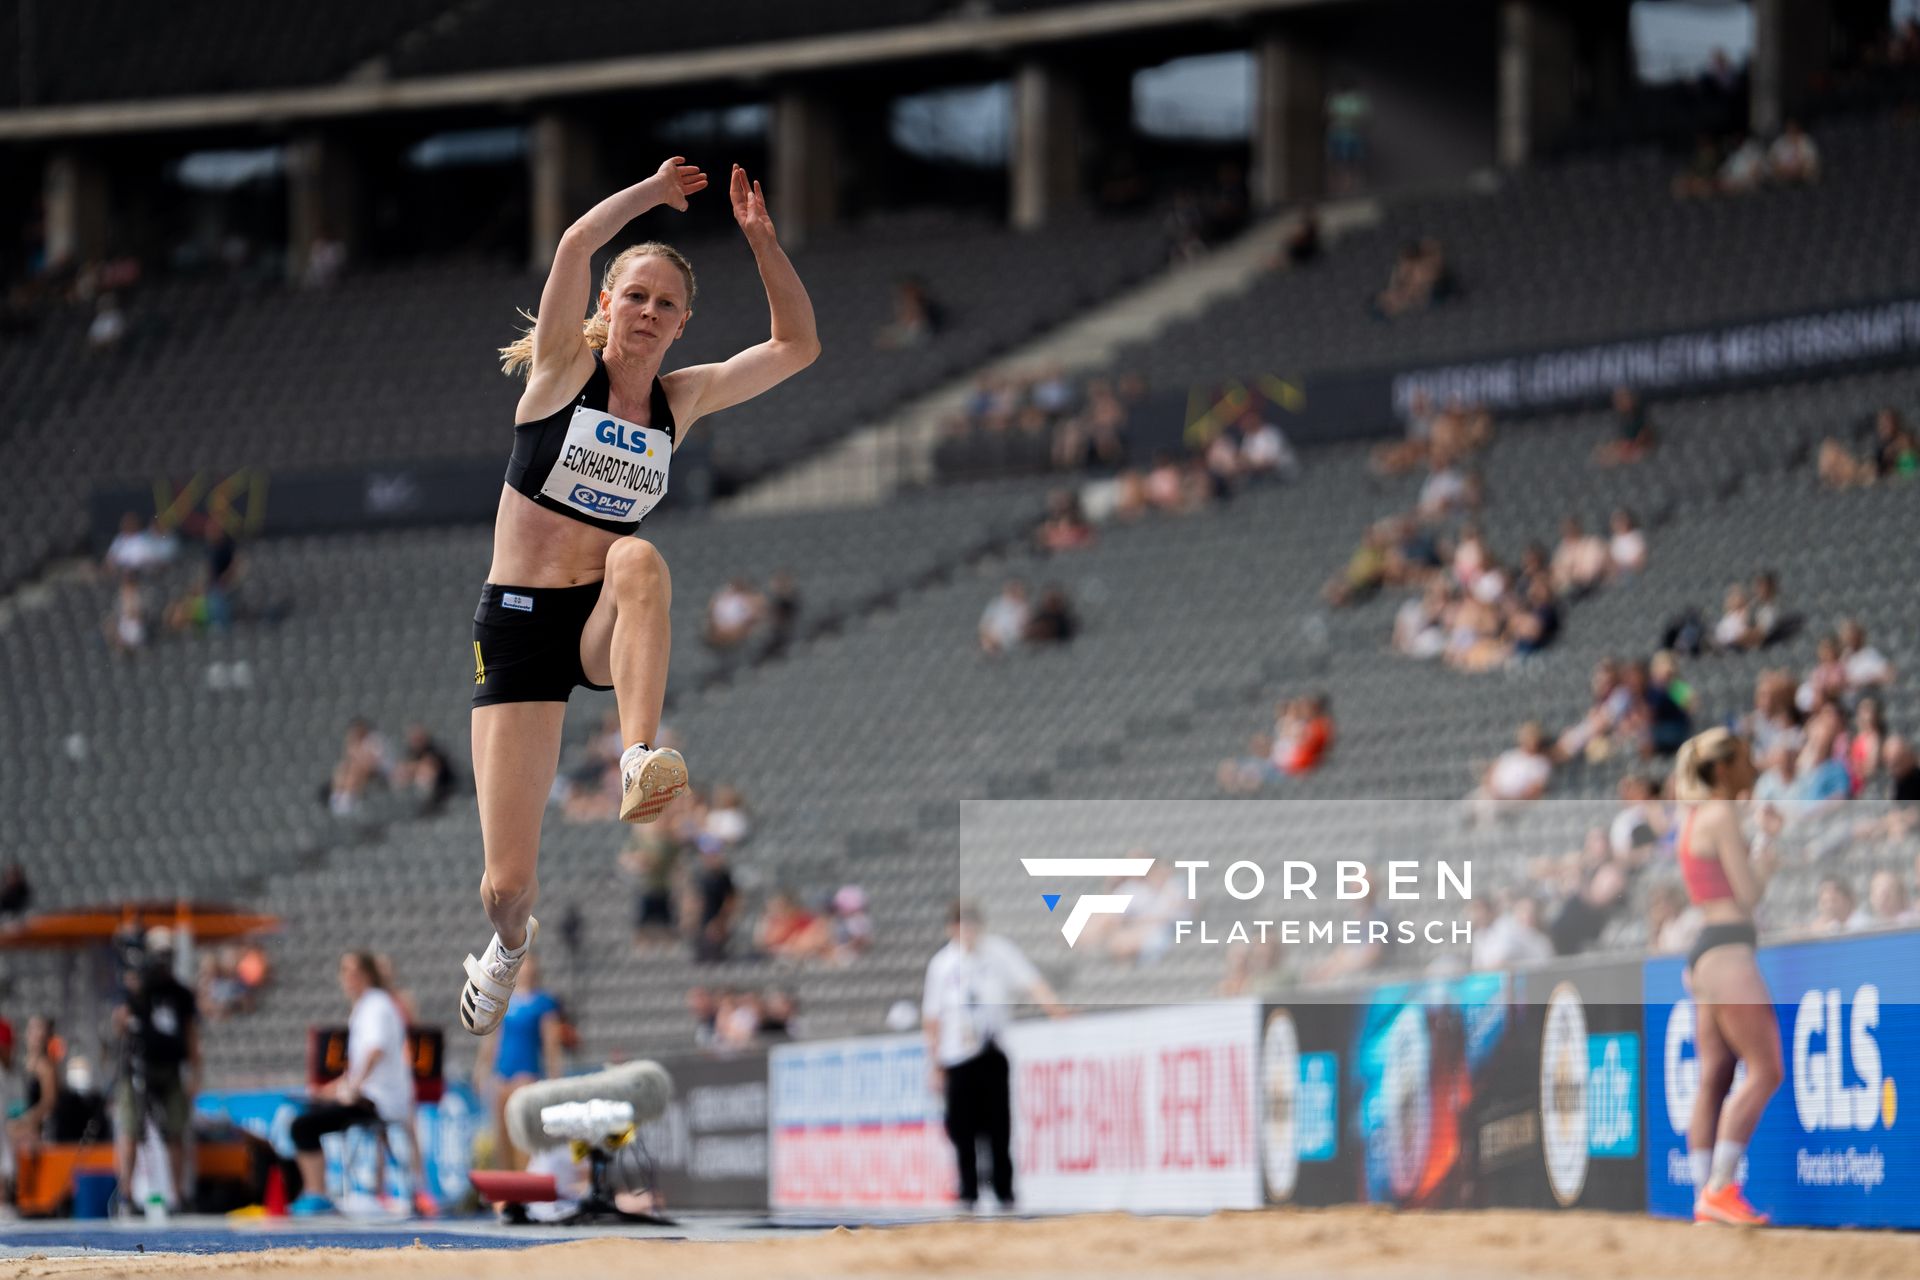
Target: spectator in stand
x=1608, y=702
x=1774, y=719
x=1745, y=168
x=1366, y=571
x=916, y=317
x=1893, y=448
x=652, y=861
x=1866, y=746
x=1627, y=548
x=1769, y=622
x=851, y=926
x=1053, y=620
x=1515, y=937
x=211, y=608
x=1166, y=485
x=1421, y=278
x=1533, y=621
x=1066, y=527
x=782, y=613
x=138, y=548
x=1888, y=906
x=715, y=901
x=1303, y=244
x=1144, y=934
x=1793, y=159
x=1580, y=560
x=1244, y=775
x=129, y=625
x=778, y=1011
x=1420, y=625
x=363, y=760
x=1736, y=628
x=704, y=1007
x=1643, y=822
x=1672, y=922
x=1865, y=666
x=16, y=894
x=425, y=770
x=726, y=818
x=1264, y=450
x=1822, y=763
x=1836, y=908
x=1303, y=735
x=1633, y=437
x=1517, y=776
x=732, y=614
x=1827, y=679
x=1903, y=771
x=109, y=324
x=1004, y=623
x=1701, y=178
x=787, y=931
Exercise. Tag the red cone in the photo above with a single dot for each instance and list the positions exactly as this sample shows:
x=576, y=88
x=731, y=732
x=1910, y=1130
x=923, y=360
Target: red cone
x=276, y=1192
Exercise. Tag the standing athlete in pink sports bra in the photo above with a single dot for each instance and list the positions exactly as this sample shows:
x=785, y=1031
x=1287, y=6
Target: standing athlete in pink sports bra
x=1733, y=1009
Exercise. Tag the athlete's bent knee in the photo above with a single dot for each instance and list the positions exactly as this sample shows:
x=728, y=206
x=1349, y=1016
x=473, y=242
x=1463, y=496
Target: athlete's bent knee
x=636, y=565
x=501, y=891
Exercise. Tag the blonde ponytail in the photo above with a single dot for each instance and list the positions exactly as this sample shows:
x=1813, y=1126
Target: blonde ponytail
x=1696, y=754
x=516, y=358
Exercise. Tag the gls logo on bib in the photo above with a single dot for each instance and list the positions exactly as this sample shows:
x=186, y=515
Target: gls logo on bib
x=609, y=468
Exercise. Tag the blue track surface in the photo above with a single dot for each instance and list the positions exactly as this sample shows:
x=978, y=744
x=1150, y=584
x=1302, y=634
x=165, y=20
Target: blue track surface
x=211, y=1240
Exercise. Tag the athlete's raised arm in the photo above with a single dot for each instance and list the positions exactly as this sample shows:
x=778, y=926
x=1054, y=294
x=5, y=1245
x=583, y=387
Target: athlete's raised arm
x=793, y=344
x=557, y=341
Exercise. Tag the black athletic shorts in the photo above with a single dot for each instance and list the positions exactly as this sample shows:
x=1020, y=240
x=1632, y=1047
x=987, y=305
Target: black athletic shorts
x=1722, y=935
x=526, y=643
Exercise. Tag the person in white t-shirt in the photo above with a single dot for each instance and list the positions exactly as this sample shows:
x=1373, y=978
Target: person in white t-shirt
x=972, y=984
x=376, y=1088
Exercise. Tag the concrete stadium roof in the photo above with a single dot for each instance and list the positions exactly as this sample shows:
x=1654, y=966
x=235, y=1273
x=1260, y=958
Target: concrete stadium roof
x=1000, y=34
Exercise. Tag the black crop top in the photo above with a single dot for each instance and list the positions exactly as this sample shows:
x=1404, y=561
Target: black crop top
x=584, y=462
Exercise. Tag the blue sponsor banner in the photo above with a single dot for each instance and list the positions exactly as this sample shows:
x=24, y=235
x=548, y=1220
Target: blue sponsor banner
x=1613, y=1095
x=1834, y=1147
x=444, y=1129
x=1317, y=1106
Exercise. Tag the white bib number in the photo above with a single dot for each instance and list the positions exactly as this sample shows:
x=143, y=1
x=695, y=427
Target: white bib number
x=609, y=468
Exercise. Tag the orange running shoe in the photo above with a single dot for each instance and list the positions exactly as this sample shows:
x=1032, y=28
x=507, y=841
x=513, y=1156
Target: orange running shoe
x=1728, y=1205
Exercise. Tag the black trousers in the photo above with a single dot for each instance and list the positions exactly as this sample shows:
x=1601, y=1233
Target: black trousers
x=979, y=1106
x=329, y=1117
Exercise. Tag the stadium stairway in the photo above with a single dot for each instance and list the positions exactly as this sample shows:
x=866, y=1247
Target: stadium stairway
x=873, y=463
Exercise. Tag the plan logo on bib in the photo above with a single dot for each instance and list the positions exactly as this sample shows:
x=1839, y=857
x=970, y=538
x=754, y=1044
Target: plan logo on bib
x=1088, y=905
x=602, y=503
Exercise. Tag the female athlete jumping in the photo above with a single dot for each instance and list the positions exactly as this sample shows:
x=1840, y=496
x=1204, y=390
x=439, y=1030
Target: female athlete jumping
x=570, y=600
x=1733, y=1011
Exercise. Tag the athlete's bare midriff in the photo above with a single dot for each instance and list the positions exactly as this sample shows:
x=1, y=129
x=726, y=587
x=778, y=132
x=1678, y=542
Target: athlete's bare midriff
x=535, y=547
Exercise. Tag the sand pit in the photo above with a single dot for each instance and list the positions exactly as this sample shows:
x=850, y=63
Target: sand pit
x=1346, y=1242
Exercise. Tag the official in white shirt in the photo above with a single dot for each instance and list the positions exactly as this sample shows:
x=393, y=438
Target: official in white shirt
x=377, y=1086
x=972, y=984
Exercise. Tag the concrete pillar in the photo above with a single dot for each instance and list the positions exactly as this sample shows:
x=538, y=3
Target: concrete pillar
x=563, y=174
x=1045, y=177
x=1538, y=60
x=805, y=164
x=323, y=197
x=75, y=193
x=1790, y=48
x=1290, y=123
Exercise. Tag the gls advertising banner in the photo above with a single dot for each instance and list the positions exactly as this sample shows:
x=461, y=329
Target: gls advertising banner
x=855, y=1124
x=1834, y=1147
x=1150, y=1110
